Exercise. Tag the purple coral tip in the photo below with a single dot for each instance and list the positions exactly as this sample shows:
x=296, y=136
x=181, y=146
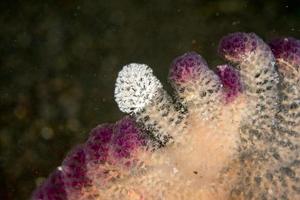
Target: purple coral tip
x=287, y=50
x=98, y=144
x=52, y=188
x=237, y=45
x=127, y=138
x=186, y=67
x=74, y=169
x=230, y=78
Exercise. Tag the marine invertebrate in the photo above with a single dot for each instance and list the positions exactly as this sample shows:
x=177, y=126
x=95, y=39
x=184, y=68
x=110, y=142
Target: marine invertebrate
x=233, y=134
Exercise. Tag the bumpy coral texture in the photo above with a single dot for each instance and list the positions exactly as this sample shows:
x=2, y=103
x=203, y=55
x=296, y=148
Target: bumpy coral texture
x=229, y=134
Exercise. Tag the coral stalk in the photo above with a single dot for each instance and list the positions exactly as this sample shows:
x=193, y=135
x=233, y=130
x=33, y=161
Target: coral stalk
x=140, y=93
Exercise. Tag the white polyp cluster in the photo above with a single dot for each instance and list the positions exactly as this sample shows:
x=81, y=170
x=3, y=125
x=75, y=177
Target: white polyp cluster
x=135, y=87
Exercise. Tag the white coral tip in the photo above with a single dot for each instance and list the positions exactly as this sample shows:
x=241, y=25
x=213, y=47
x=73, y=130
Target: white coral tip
x=135, y=87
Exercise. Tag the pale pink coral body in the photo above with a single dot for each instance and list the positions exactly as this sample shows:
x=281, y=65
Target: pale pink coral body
x=233, y=134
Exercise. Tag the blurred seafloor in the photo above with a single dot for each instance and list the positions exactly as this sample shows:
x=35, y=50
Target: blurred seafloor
x=59, y=60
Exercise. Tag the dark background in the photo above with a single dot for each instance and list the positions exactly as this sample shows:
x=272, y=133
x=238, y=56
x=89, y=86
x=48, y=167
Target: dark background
x=59, y=60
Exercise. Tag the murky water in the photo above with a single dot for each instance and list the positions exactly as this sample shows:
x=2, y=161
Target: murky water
x=59, y=61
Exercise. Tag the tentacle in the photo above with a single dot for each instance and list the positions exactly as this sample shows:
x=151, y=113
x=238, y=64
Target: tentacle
x=98, y=144
x=257, y=67
x=258, y=152
x=127, y=139
x=114, y=155
x=287, y=54
x=198, y=87
x=256, y=63
x=208, y=97
x=74, y=172
x=140, y=93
